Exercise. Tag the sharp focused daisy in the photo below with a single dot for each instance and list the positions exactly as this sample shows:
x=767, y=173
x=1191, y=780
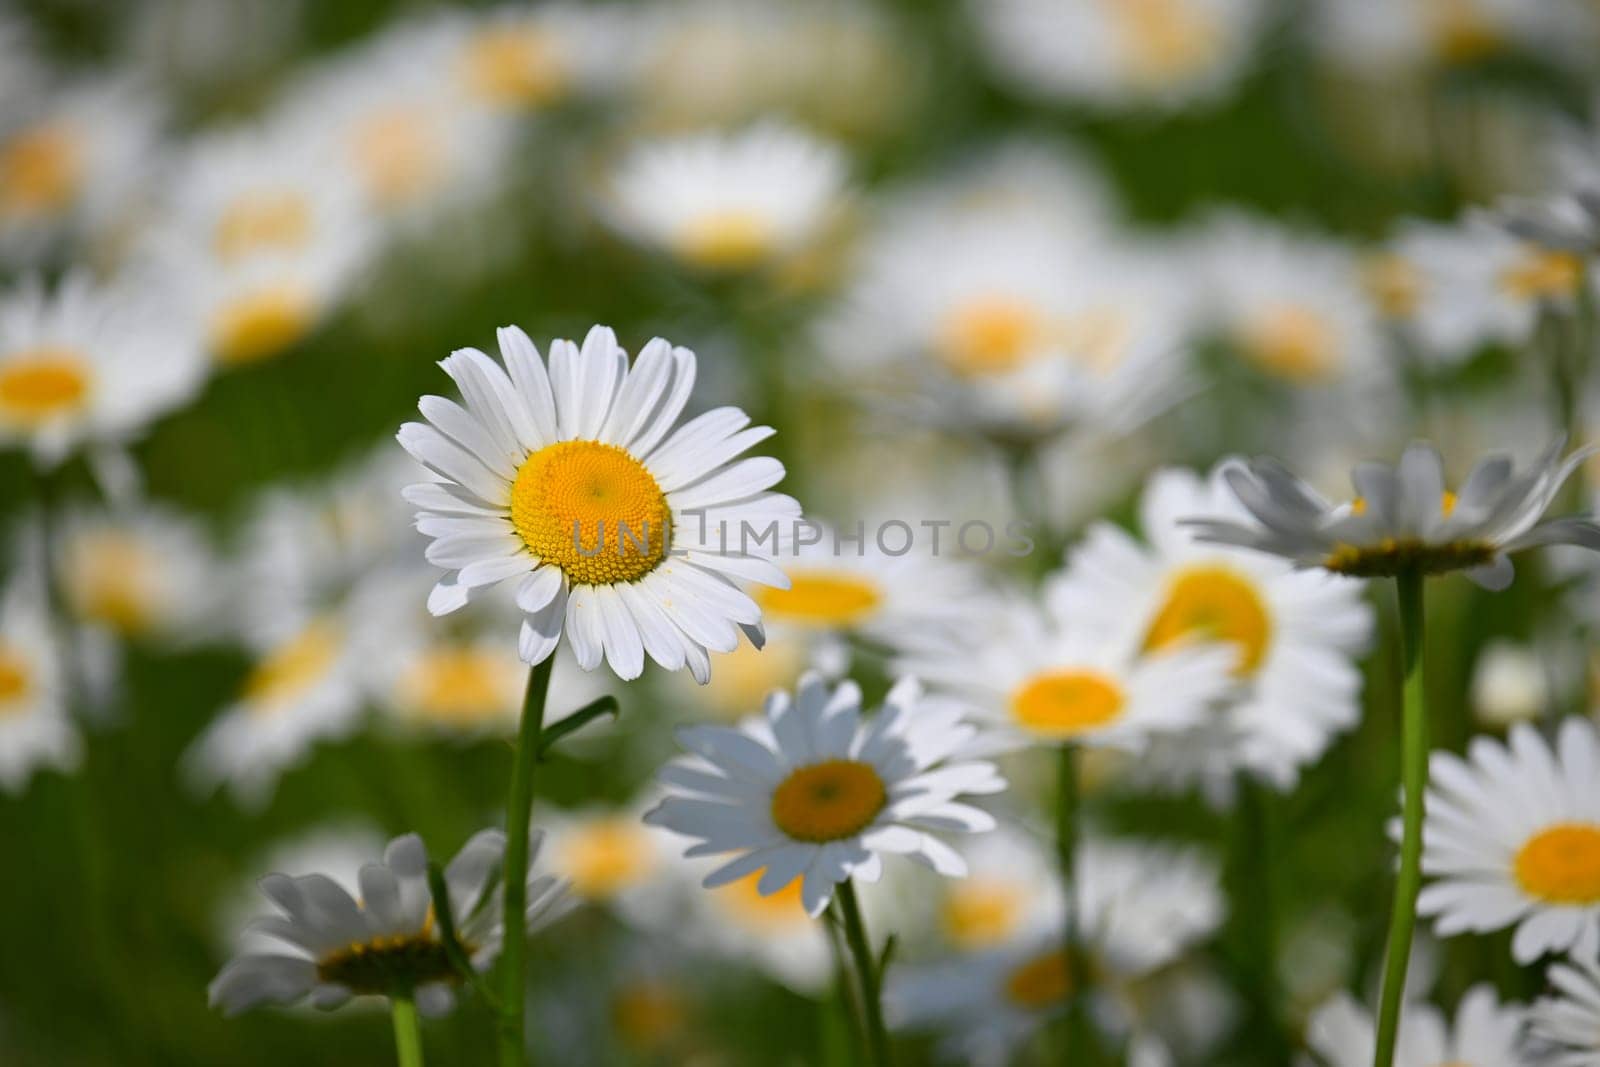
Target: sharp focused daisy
x=1485, y=1033
x=573, y=481
x=86, y=364
x=729, y=201
x=1566, y=1026
x=35, y=728
x=386, y=942
x=811, y=793
x=1512, y=838
x=1294, y=633
x=1404, y=518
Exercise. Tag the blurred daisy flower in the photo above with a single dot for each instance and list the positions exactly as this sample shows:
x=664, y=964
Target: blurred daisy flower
x=1512, y=838
x=607, y=855
x=1485, y=1031
x=1566, y=1026
x=1037, y=679
x=1294, y=634
x=1509, y=685
x=385, y=942
x=84, y=364
x=140, y=573
x=1132, y=54
x=811, y=793
x=1389, y=37
x=515, y=58
x=36, y=729
x=573, y=481
x=1013, y=892
x=1404, y=519
x=732, y=201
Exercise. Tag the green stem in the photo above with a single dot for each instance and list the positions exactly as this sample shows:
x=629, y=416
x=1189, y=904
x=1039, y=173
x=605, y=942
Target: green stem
x=1068, y=797
x=519, y=813
x=1414, y=774
x=1255, y=918
x=855, y=932
x=407, y=1031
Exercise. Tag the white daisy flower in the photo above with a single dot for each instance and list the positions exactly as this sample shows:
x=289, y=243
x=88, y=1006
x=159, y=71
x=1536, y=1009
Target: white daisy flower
x=1039, y=680
x=1404, y=518
x=1389, y=37
x=86, y=364
x=1567, y=1025
x=573, y=481
x=144, y=572
x=607, y=855
x=1012, y=894
x=810, y=792
x=729, y=201
x=1485, y=1033
x=1509, y=685
x=1512, y=838
x=1294, y=634
x=385, y=942
x=36, y=729
x=1163, y=54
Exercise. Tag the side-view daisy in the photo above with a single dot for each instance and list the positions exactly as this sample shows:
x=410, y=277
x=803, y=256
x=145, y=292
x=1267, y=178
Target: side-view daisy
x=1512, y=838
x=809, y=791
x=573, y=481
x=1567, y=1026
x=1404, y=519
x=1485, y=1033
x=385, y=942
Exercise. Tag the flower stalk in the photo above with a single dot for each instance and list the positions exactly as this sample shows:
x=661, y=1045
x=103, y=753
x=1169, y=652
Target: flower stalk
x=1068, y=800
x=519, y=814
x=868, y=974
x=407, y=1031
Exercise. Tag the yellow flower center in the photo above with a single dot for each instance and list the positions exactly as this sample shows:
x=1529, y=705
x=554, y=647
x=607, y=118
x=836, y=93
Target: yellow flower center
x=828, y=801
x=822, y=598
x=40, y=170
x=726, y=240
x=1561, y=864
x=1067, y=703
x=397, y=155
x=771, y=914
x=385, y=964
x=109, y=582
x=1164, y=40
x=1543, y=275
x=293, y=667
x=1294, y=343
x=605, y=857
x=513, y=65
x=1040, y=983
x=1462, y=32
x=592, y=510
x=262, y=221
x=461, y=685
x=42, y=384
x=1394, y=283
x=990, y=335
x=260, y=325
x=980, y=911
x=15, y=681
x=649, y=1015
x=1213, y=604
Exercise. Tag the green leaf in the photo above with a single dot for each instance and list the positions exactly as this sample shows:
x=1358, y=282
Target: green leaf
x=444, y=916
x=550, y=735
x=887, y=955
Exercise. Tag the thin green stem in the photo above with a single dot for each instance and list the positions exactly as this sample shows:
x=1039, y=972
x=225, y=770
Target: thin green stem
x=1255, y=918
x=855, y=933
x=1414, y=776
x=1073, y=1039
x=519, y=813
x=407, y=1031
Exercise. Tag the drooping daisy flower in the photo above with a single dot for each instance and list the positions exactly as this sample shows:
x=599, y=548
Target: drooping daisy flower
x=729, y=201
x=1567, y=1025
x=141, y=573
x=385, y=942
x=1404, y=519
x=573, y=481
x=1512, y=838
x=1486, y=1033
x=35, y=727
x=85, y=364
x=1294, y=633
x=811, y=793
x=1038, y=679
x=1123, y=55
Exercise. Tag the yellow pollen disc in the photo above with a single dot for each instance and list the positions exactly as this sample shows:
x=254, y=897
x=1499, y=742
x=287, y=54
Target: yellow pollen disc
x=990, y=335
x=1447, y=502
x=39, y=172
x=649, y=1014
x=822, y=598
x=461, y=685
x=1039, y=983
x=260, y=325
x=513, y=65
x=1542, y=275
x=1164, y=40
x=1394, y=283
x=108, y=582
x=293, y=667
x=262, y=221
x=771, y=914
x=605, y=857
x=592, y=510
x=726, y=240
x=396, y=155
x=1067, y=703
x=1561, y=864
x=828, y=801
x=1213, y=604
x=979, y=912
x=15, y=682
x=41, y=384
x=1294, y=343
x=1462, y=32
